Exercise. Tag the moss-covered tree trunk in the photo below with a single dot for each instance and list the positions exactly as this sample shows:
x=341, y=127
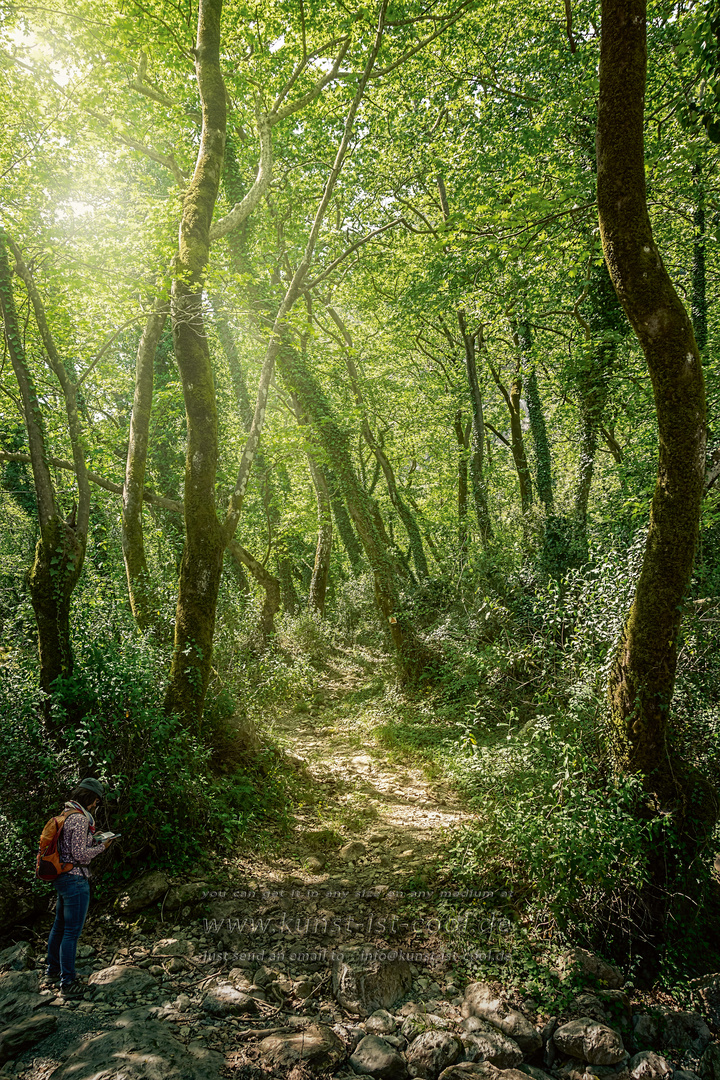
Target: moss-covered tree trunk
x=60, y=551
x=323, y=548
x=335, y=440
x=404, y=512
x=143, y=600
x=643, y=674
x=205, y=540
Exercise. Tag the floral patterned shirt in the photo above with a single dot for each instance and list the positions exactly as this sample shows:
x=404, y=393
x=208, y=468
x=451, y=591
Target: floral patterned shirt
x=76, y=844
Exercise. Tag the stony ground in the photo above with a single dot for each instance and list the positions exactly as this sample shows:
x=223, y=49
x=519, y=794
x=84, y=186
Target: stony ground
x=367, y=837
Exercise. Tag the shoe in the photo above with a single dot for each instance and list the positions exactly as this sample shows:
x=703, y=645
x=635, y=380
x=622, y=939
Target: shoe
x=73, y=991
x=49, y=980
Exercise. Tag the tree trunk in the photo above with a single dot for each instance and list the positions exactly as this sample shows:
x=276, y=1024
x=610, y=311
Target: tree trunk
x=344, y=526
x=205, y=540
x=543, y=461
x=462, y=434
x=60, y=551
x=517, y=443
x=478, y=434
x=334, y=438
x=404, y=512
x=321, y=567
x=643, y=673
x=269, y=584
x=143, y=599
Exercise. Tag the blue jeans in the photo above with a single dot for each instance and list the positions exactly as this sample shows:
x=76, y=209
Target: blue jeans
x=72, y=905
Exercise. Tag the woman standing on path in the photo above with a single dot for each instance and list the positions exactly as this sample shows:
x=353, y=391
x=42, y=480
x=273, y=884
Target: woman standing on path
x=76, y=846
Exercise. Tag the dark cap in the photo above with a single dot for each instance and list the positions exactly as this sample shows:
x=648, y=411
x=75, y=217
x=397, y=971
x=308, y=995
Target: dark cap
x=93, y=785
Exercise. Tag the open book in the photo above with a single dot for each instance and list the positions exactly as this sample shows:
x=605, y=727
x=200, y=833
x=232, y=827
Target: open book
x=103, y=837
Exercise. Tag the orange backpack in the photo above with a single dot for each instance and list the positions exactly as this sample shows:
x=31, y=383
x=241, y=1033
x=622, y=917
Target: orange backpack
x=48, y=866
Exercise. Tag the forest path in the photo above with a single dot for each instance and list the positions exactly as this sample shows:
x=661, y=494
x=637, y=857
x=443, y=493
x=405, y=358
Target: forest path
x=356, y=790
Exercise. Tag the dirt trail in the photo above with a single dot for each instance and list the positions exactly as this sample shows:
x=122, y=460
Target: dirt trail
x=359, y=790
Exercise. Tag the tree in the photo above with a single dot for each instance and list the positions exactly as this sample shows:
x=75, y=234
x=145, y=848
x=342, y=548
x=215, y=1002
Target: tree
x=643, y=673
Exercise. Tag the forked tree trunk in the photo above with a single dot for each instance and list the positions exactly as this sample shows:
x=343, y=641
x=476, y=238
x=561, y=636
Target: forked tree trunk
x=269, y=584
x=60, y=551
x=205, y=539
x=643, y=674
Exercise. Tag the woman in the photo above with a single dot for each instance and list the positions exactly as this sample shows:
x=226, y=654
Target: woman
x=76, y=846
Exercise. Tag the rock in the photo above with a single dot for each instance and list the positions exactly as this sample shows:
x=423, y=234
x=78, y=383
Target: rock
x=590, y=1041
x=587, y=965
x=19, y=982
x=156, y=971
x=617, y=1006
x=587, y=1005
x=706, y=994
x=16, y=906
x=536, y=1074
x=180, y=895
x=225, y=1000
x=486, y=1043
x=483, y=1001
x=16, y=1006
x=380, y=1023
x=374, y=1057
x=119, y=980
x=173, y=947
x=315, y=864
x=176, y=964
x=17, y=957
x=709, y=1068
x=470, y=1070
x=416, y=1023
x=685, y=1031
x=137, y=1047
x=432, y=1052
x=685, y=1074
x=316, y=1046
x=646, y=1031
x=19, y=1037
x=648, y=1065
x=362, y=987
x=143, y=892
x=352, y=851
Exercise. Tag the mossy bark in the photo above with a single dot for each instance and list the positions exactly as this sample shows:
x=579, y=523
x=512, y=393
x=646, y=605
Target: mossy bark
x=205, y=540
x=323, y=548
x=335, y=441
x=643, y=673
x=60, y=551
x=403, y=510
x=143, y=599
x=343, y=524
